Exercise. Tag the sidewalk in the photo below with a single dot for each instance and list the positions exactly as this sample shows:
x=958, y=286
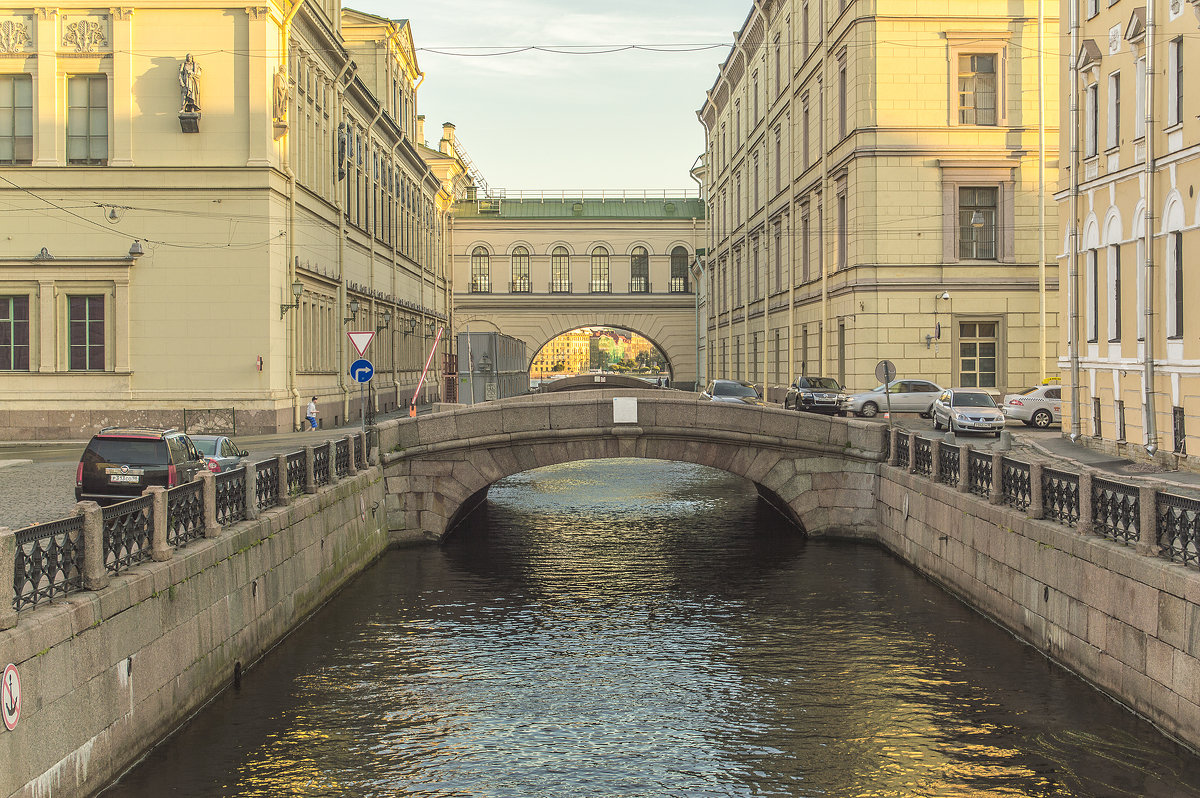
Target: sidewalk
x=1115, y=467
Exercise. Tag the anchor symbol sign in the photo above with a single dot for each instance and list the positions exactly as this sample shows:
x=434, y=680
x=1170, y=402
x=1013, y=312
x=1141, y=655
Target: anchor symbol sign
x=10, y=697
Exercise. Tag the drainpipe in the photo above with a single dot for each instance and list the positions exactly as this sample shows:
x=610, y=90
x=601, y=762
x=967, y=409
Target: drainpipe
x=1151, y=445
x=285, y=29
x=345, y=388
x=1041, y=192
x=1073, y=240
x=339, y=203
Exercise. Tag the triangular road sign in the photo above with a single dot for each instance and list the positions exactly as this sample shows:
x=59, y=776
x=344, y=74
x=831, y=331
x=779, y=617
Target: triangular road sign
x=361, y=340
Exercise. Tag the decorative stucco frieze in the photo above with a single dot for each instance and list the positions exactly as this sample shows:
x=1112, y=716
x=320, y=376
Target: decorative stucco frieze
x=82, y=34
x=123, y=14
x=257, y=12
x=16, y=35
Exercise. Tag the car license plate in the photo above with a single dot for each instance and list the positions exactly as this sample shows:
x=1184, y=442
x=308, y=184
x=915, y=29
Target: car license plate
x=134, y=478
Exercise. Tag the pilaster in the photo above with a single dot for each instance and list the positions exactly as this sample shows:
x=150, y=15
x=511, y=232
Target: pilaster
x=49, y=146
x=121, y=144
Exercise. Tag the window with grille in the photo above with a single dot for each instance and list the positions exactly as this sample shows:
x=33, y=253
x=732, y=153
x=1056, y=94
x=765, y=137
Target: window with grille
x=85, y=333
x=679, y=272
x=639, y=271
x=1096, y=418
x=87, y=119
x=520, y=271
x=977, y=89
x=600, y=283
x=481, y=271
x=977, y=218
x=14, y=333
x=1120, y=419
x=16, y=119
x=977, y=346
x=560, y=271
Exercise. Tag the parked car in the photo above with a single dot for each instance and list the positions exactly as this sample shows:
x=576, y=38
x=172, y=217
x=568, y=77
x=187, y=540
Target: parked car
x=967, y=410
x=221, y=452
x=121, y=462
x=907, y=396
x=1039, y=406
x=736, y=391
x=815, y=394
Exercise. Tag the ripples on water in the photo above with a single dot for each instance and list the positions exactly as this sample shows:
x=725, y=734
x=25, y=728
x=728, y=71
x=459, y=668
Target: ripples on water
x=642, y=628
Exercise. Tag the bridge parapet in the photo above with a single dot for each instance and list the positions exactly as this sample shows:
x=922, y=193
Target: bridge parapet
x=821, y=471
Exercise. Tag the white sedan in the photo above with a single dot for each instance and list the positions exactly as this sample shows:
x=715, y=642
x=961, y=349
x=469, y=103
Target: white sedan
x=1036, y=407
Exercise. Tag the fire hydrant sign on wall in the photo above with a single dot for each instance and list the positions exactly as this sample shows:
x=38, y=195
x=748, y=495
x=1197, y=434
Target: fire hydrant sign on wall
x=10, y=697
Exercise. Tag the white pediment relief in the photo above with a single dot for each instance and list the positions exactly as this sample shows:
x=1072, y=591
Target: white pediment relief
x=1135, y=30
x=85, y=33
x=1195, y=4
x=16, y=34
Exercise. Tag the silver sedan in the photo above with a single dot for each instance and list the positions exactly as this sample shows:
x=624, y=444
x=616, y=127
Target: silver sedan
x=967, y=410
x=905, y=396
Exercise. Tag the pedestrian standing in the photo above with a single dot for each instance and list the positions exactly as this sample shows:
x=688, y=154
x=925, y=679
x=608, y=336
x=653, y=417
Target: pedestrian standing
x=312, y=414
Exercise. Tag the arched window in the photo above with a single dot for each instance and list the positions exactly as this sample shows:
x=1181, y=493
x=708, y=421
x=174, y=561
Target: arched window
x=639, y=271
x=679, y=270
x=481, y=273
x=520, y=271
x=600, y=283
x=560, y=271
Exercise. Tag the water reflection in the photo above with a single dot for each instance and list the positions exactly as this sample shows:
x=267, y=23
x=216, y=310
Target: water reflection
x=639, y=628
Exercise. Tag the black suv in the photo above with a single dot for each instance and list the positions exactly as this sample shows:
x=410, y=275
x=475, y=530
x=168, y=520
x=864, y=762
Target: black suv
x=815, y=394
x=120, y=462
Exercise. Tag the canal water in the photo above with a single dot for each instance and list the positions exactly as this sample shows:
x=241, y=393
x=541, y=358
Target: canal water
x=642, y=628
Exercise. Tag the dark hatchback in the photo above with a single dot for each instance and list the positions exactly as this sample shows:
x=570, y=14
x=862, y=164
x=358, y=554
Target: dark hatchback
x=119, y=463
x=815, y=394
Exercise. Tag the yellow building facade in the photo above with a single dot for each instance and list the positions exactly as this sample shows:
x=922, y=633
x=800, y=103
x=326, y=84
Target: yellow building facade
x=875, y=188
x=1128, y=214
x=191, y=236
x=571, y=350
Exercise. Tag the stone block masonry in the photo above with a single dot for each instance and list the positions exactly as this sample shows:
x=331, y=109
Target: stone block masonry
x=107, y=674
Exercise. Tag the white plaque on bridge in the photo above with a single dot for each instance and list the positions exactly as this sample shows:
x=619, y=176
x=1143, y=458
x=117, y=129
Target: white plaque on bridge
x=624, y=410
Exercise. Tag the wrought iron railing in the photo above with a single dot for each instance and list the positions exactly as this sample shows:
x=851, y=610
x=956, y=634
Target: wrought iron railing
x=266, y=483
x=1115, y=510
x=949, y=456
x=922, y=455
x=1178, y=529
x=185, y=513
x=126, y=536
x=902, y=450
x=979, y=473
x=887, y=445
x=1060, y=496
x=321, y=465
x=1015, y=483
x=341, y=457
x=49, y=561
x=231, y=496
x=359, y=443
x=295, y=473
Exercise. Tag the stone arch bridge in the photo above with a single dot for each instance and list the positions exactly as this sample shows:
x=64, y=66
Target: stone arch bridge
x=820, y=471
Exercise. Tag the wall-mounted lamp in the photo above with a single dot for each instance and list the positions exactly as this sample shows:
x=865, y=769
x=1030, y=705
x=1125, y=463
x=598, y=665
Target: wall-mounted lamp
x=387, y=321
x=135, y=249
x=432, y=328
x=412, y=325
x=297, y=290
x=353, y=312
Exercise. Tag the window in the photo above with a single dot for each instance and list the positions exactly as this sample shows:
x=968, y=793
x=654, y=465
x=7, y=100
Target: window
x=805, y=230
x=1091, y=119
x=778, y=66
x=778, y=259
x=14, y=333
x=842, y=232
x=679, y=272
x=778, y=160
x=1093, y=296
x=1175, y=302
x=1114, y=110
x=756, y=198
x=755, y=279
x=1114, y=293
x=16, y=119
x=560, y=271
x=600, y=282
x=85, y=333
x=805, y=143
x=756, y=107
x=520, y=271
x=481, y=271
x=977, y=223
x=1139, y=100
x=804, y=349
x=841, y=88
x=639, y=271
x=804, y=28
x=977, y=354
x=977, y=89
x=87, y=119
x=1093, y=8
x=1175, y=98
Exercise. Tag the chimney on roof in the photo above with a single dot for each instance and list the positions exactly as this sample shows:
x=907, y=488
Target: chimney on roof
x=421, y=129
x=447, y=143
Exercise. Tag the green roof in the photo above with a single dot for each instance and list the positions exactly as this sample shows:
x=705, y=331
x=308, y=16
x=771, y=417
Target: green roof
x=581, y=208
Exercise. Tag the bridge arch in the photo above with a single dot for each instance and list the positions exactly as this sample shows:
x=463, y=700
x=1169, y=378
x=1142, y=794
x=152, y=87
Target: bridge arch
x=820, y=471
x=533, y=353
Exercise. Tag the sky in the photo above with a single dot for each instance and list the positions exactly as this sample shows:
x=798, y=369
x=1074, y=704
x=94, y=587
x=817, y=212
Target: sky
x=548, y=121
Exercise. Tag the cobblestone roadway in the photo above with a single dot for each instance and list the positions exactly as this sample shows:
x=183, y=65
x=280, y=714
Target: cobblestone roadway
x=36, y=492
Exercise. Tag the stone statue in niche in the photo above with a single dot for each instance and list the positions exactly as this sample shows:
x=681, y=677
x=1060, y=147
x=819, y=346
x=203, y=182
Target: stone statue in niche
x=280, y=96
x=189, y=85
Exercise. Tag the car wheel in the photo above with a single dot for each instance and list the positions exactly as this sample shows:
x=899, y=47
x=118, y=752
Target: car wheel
x=928, y=412
x=1041, y=419
x=869, y=410
x=936, y=424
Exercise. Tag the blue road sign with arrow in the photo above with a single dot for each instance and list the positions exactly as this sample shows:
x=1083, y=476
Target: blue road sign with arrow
x=362, y=370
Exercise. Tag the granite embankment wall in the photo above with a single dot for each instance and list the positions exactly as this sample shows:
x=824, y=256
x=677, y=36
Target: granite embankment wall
x=106, y=674
x=1127, y=622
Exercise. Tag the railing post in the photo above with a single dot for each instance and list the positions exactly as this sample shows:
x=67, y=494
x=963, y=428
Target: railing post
x=935, y=460
x=8, y=565
x=964, y=467
x=352, y=450
x=1147, y=521
x=1087, y=518
x=1036, y=504
x=893, y=434
x=310, y=477
x=912, y=452
x=331, y=461
x=251, y=477
x=159, y=550
x=95, y=575
x=996, y=493
x=209, y=493
x=281, y=469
